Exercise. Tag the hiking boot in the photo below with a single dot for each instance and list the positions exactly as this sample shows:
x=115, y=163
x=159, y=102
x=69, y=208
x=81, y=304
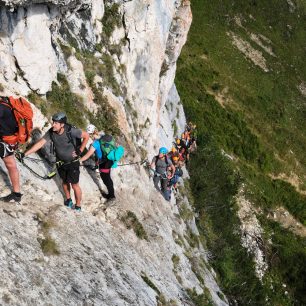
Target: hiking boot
x=105, y=195
x=12, y=197
x=78, y=208
x=108, y=196
x=109, y=203
x=110, y=199
x=68, y=203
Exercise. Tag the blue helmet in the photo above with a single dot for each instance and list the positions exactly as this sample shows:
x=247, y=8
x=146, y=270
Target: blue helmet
x=163, y=150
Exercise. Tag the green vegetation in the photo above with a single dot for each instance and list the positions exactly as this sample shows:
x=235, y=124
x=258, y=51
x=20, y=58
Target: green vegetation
x=60, y=98
x=178, y=239
x=47, y=244
x=192, y=239
x=160, y=298
x=174, y=127
x=106, y=118
x=131, y=222
x=176, y=260
x=203, y=299
x=39, y=102
x=186, y=191
x=260, y=125
x=162, y=301
x=103, y=67
x=185, y=213
x=149, y=282
x=287, y=257
x=95, y=66
x=67, y=50
x=111, y=19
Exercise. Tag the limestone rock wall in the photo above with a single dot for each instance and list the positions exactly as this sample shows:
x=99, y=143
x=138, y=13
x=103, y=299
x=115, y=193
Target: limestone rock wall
x=96, y=260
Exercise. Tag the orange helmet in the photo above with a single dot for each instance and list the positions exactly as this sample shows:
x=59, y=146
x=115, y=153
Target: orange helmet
x=175, y=158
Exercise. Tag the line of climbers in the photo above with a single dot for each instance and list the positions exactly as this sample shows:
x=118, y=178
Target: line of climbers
x=68, y=143
x=166, y=167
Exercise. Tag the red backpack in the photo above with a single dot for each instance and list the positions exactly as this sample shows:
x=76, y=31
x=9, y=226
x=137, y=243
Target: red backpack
x=24, y=117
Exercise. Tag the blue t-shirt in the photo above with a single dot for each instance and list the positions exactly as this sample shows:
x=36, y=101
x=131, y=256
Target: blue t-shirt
x=98, y=151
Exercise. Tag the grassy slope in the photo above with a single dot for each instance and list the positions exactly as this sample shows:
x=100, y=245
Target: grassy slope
x=262, y=125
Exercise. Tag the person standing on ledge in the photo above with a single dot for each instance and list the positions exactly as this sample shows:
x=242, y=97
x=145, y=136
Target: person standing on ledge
x=65, y=139
x=9, y=126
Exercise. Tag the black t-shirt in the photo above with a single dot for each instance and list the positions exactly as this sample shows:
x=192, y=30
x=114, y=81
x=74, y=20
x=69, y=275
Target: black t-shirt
x=8, y=123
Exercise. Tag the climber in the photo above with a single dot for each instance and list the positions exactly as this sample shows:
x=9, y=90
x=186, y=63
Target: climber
x=67, y=144
x=94, y=135
x=172, y=182
x=93, y=132
x=186, y=137
x=9, y=126
x=159, y=166
x=192, y=129
x=182, y=150
x=107, y=154
x=193, y=144
x=175, y=157
x=179, y=145
x=172, y=152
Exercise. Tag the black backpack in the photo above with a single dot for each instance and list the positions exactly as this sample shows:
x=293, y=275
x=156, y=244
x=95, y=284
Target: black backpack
x=77, y=142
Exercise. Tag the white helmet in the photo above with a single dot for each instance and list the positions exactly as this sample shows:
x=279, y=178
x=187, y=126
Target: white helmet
x=90, y=129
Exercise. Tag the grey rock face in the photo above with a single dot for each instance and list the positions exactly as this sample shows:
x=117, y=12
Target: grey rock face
x=53, y=255
x=50, y=255
x=16, y=3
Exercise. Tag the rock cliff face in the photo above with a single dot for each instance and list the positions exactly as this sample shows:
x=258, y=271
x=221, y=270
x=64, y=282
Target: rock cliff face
x=51, y=255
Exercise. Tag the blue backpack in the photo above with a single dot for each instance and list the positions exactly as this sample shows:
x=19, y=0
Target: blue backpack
x=116, y=155
x=110, y=150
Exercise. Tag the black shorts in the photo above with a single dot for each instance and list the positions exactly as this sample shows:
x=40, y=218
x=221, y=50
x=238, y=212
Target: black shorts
x=70, y=173
x=6, y=149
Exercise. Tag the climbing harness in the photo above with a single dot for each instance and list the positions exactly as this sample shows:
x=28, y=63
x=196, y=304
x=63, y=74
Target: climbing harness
x=60, y=163
x=6, y=149
x=162, y=175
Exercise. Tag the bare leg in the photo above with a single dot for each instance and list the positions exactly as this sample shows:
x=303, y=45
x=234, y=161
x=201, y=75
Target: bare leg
x=77, y=193
x=10, y=164
x=66, y=188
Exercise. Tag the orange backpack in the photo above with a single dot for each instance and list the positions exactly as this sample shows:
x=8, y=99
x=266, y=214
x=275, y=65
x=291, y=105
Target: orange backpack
x=24, y=117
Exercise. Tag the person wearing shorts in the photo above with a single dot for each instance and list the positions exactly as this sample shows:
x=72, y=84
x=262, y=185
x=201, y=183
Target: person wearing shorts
x=9, y=126
x=64, y=138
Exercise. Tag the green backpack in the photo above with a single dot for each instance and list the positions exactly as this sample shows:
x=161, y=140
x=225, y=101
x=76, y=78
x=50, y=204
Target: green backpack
x=107, y=144
x=110, y=151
